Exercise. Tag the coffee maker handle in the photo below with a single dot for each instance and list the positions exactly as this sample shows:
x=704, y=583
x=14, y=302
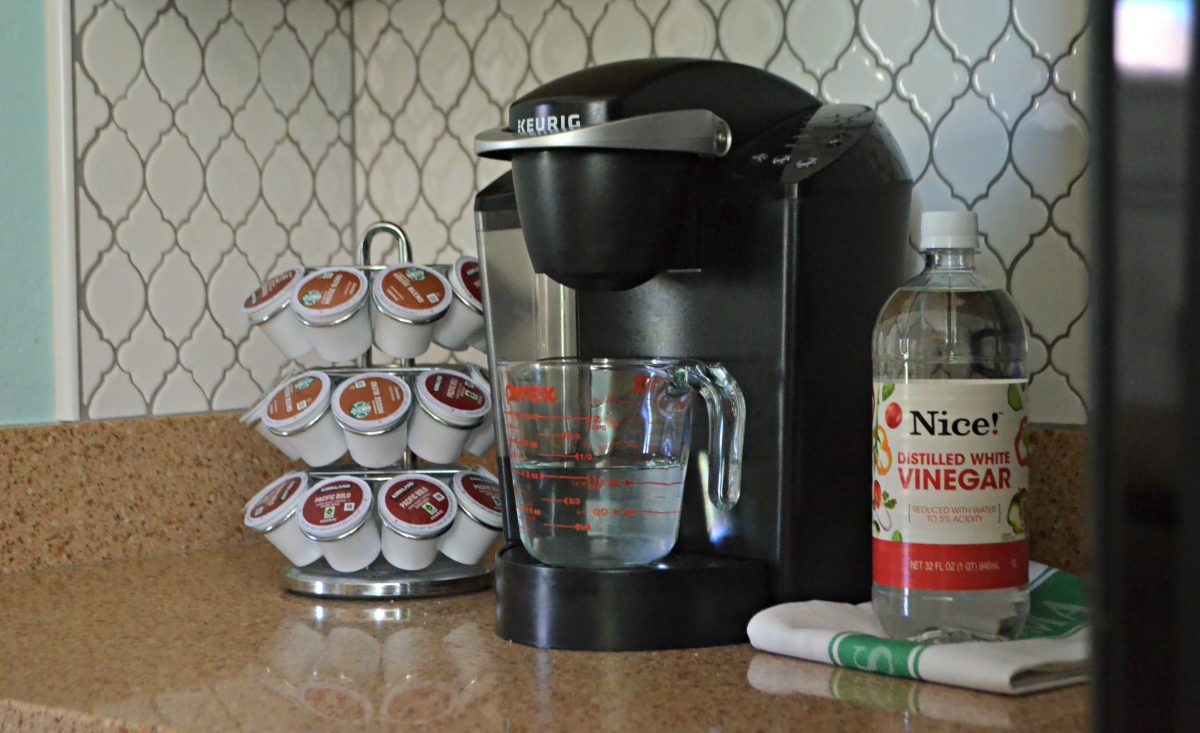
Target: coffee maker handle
x=726, y=428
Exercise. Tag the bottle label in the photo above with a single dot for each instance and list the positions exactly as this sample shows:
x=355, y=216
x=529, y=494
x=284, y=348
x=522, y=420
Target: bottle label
x=950, y=481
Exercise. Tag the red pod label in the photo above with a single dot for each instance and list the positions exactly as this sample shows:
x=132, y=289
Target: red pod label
x=276, y=497
x=333, y=503
x=417, y=501
x=371, y=398
x=413, y=288
x=329, y=289
x=269, y=289
x=483, y=490
x=950, y=481
x=295, y=398
x=468, y=271
x=455, y=391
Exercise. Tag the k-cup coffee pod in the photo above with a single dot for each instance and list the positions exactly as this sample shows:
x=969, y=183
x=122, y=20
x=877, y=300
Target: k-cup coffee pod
x=338, y=514
x=299, y=411
x=330, y=302
x=253, y=418
x=450, y=405
x=373, y=410
x=482, y=438
x=408, y=300
x=479, y=520
x=415, y=510
x=273, y=513
x=463, y=322
x=269, y=306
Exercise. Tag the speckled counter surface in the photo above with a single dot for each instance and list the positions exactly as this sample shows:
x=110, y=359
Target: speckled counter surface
x=208, y=641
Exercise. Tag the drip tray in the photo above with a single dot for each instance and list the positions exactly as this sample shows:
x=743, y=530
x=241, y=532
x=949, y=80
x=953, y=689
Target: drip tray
x=684, y=600
x=443, y=578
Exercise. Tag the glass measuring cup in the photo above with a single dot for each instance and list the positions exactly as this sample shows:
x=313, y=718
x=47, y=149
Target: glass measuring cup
x=599, y=450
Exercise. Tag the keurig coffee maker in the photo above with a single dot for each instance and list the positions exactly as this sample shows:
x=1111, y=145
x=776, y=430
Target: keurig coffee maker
x=702, y=210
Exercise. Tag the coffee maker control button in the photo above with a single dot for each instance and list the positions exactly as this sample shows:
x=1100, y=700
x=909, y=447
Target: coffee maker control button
x=804, y=163
x=758, y=157
x=780, y=160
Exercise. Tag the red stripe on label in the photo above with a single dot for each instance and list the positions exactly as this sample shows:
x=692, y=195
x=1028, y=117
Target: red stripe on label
x=951, y=567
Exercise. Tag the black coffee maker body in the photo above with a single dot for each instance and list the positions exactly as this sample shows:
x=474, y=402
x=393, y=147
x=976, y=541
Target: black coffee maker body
x=709, y=210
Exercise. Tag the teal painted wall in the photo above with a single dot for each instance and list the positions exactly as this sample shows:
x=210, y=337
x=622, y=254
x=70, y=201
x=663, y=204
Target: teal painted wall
x=27, y=357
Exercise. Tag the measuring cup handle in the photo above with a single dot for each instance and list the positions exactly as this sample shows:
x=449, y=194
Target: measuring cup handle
x=726, y=428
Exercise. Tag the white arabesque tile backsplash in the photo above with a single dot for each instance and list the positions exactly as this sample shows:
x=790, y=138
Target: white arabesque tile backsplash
x=219, y=140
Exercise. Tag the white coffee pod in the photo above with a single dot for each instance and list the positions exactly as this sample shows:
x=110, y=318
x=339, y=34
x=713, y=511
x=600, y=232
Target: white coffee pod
x=338, y=514
x=330, y=302
x=408, y=300
x=253, y=418
x=415, y=510
x=463, y=322
x=373, y=410
x=482, y=438
x=269, y=306
x=479, y=519
x=273, y=513
x=450, y=405
x=298, y=410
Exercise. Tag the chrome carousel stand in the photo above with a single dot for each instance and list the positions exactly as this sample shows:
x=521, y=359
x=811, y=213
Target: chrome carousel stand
x=381, y=580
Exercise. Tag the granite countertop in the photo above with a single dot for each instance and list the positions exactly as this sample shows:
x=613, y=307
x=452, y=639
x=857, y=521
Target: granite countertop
x=209, y=641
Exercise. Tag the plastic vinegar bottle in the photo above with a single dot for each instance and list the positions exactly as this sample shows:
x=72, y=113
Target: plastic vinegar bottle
x=950, y=449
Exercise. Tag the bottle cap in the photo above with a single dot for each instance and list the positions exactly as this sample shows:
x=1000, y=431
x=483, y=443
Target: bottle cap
x=949, y=230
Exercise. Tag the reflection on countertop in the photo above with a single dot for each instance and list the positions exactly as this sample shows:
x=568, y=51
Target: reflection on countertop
x=208, y=641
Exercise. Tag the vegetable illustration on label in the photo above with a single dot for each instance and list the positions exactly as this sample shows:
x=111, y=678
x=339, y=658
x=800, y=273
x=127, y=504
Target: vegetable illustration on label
x=1016, y=512
x=1014, y=397
x=893, y=415
x=1021, y=443
x=881, y=514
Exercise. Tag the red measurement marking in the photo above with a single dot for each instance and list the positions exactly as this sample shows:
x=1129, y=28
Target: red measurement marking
x=565, y=501
x=653, y=483
x=577, y=527
x=531, y=416
x=523, y=443
x=627, y=511
x=565, y=478
x=574, y=456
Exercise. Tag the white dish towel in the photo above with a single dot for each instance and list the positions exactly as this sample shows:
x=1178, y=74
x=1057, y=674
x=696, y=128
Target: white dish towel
x=1051, y=652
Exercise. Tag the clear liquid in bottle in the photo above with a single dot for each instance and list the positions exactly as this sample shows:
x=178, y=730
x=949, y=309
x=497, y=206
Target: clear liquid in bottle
x=949, y=448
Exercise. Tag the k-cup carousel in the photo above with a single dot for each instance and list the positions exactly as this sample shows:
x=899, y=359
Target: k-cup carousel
x=401, y=519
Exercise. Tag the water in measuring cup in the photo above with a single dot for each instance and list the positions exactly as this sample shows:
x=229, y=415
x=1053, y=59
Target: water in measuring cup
x=594, y=516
